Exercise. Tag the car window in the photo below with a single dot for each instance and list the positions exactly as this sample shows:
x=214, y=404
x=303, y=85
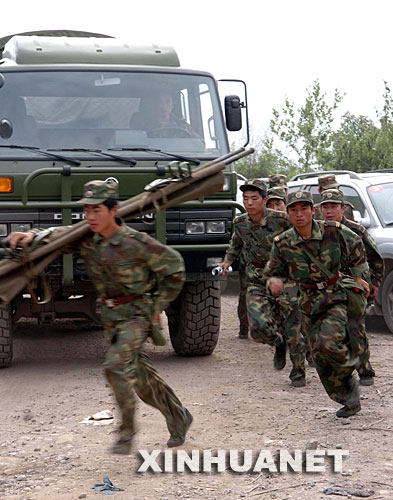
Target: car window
x=381, y=196
x=315, y=193
x=352, y=196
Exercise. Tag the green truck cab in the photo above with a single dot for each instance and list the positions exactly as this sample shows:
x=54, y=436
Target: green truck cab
x=79, y=107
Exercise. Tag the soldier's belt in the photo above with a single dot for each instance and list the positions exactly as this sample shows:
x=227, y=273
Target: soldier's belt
x=321, y=285
x=117, y=301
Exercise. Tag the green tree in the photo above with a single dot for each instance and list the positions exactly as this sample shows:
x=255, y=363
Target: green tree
x=360, y=144
x=354, y=145
x=265, y=161
x=307, y=132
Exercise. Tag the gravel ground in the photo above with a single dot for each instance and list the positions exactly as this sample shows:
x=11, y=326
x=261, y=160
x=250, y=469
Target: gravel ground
x=238, y=400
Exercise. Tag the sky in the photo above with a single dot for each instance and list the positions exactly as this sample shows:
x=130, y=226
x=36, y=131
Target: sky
x=279, y=47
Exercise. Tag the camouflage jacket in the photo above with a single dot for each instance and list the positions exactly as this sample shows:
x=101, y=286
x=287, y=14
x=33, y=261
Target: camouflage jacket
x=333, y=244
x=374, y=258
x=128, y=263
x=253, y=240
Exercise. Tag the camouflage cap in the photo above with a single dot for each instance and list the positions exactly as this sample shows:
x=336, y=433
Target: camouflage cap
x=299, y=196
x=258, y=184
x=277, y=193
x=276, y=180
x=332, y=196
x=327, y=181
x=95, y=192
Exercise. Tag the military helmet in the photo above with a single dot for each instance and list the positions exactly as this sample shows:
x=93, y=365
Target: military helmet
x=300, y=196
x=96, y=192
x=332, y=196
x=277, y=193
x=254, y=184
x=276, y=180
x=327, y=181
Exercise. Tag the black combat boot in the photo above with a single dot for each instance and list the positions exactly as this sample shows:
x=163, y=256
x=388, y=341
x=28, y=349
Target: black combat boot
x=348, y=411
x=280, y=355
x=122, y=446
x=243, y=332
x=180, y=437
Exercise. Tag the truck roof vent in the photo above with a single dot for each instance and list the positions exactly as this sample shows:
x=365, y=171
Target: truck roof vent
x=86, y=34
x=39, y=49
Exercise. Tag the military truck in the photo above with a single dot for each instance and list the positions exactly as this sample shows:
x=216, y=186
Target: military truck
x=77, y=106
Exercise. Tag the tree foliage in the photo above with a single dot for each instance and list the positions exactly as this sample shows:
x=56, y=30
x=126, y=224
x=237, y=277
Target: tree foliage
x=304, y=138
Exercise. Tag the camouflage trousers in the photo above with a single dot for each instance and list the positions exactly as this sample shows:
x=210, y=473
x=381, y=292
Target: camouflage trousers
x=267, y=317
x=129, y=371
x=332, y=353
x=242, y=304
x=356, y=329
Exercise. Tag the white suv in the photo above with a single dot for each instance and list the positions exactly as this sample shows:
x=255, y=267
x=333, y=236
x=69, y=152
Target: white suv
x=371, y=194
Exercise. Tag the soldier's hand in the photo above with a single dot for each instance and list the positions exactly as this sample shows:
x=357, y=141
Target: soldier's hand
x=224, y=266
x=17, y=238
x=364, y=284
x=276, y=286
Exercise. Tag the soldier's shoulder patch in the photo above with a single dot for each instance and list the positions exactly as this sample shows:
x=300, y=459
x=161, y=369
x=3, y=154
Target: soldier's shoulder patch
x=281, y=236
x=276, y=213
x=355, y=226
x=332, y=223
x=137, y=235
x=240, y=218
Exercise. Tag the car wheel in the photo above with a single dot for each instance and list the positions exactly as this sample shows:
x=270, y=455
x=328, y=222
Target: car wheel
x=387, y=301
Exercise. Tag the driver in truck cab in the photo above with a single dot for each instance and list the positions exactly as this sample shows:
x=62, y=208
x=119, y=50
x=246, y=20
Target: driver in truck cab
x=157, y=112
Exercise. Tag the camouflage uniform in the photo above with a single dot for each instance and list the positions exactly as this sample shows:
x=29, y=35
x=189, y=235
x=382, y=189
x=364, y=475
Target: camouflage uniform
x=242, y=304
x=266, y=315
x=130, y=264
x=324, y=310
x=288, y=301
x=328, y=181
x=278, y=180
x=356, y=326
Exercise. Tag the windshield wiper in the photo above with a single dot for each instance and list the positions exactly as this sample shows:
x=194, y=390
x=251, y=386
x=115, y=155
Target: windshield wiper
x=41, y=152
x=98, y=152
x=165, y=153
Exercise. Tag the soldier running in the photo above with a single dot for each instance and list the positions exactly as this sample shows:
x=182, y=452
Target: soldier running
x=323, y=301
x=136, y=277
x=253, y=234
x=333, y=208
x=288, y=301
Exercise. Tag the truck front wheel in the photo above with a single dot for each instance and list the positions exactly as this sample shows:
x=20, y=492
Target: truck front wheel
x=6, y=329
x=194, y=318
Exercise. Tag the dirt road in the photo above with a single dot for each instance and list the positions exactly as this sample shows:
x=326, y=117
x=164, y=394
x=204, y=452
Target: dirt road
x=238, y=401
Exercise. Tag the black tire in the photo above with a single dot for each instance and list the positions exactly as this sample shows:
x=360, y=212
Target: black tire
x=6, y=330
x=194, y=318
x=387, y=301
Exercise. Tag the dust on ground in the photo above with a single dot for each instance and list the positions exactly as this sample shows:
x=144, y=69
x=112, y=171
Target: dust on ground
x=238, y=400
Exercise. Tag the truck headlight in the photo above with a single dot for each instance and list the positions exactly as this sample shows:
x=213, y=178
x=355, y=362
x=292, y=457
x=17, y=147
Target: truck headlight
x=215, y=227
x=195, y=227
x=21, y=226
x=3, y=229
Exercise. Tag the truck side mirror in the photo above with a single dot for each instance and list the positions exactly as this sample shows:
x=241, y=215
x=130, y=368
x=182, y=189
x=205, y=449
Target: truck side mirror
x=233, y=113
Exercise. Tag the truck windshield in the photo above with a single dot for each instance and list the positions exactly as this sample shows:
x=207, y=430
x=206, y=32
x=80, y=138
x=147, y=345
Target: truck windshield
x=381, y=196
x=174, y=112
